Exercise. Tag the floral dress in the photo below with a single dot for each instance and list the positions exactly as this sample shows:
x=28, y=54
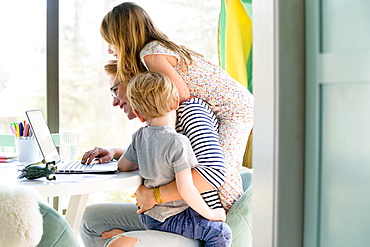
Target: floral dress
x=232, y=104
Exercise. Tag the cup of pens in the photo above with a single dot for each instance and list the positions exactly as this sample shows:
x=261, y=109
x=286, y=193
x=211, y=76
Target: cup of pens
x=26, y=145
x=27, y=148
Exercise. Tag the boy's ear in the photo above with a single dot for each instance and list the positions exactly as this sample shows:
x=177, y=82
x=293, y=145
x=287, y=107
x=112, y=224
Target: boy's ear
x=177, y=103
x=139, y=116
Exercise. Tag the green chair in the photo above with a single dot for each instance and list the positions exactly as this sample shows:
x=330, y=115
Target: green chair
x=239, y=218
x=56, y=230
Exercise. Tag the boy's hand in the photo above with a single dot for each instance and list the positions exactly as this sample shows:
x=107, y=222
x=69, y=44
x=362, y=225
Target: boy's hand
x=218, y=215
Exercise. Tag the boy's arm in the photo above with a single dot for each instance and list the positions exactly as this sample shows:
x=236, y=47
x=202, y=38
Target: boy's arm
x=124, y=165
x=192, y=197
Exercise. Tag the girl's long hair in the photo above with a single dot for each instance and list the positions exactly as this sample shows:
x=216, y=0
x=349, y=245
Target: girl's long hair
x=129, y=28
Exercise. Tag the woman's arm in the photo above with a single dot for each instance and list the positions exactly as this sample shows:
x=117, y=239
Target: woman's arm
x=103, y=154
x=192, y=197
x=169, y=192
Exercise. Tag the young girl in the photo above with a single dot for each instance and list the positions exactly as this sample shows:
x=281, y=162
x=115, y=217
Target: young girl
x=139, y=46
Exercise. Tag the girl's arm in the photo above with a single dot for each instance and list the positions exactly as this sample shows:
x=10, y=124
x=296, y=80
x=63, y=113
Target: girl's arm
x=192, y=197
x=165, y=64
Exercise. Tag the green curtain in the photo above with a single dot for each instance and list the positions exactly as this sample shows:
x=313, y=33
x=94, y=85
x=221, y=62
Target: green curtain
x=235, y=40
x=235, y=48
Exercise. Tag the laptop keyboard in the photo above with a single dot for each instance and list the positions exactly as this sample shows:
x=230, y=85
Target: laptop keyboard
x=76, y=164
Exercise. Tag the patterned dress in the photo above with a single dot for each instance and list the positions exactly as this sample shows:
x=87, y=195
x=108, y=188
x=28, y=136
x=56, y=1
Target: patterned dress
x=232, y=104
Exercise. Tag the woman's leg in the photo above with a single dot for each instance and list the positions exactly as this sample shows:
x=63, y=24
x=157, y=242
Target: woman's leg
x=100, y=218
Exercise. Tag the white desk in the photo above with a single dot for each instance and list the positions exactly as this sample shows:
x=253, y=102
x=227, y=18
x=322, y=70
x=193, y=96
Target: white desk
x=78, y=186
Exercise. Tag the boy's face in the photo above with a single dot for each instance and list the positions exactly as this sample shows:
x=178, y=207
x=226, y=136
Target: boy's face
x=121, y=100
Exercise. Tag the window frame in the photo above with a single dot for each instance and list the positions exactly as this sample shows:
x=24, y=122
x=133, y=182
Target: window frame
x=52, y=65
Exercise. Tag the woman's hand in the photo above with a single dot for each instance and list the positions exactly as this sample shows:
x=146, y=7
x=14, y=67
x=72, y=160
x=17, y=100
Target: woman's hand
x=102, y=154
x=145, y=199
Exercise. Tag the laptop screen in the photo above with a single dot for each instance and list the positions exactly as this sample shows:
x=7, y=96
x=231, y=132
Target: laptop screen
x=42, y=134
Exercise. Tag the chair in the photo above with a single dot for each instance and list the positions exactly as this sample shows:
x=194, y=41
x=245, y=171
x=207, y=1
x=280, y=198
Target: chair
x=7, y=143
x=56, y=231
x=239, y=218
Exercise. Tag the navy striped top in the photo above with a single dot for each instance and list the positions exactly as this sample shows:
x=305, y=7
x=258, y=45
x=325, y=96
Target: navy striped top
x=196, y=120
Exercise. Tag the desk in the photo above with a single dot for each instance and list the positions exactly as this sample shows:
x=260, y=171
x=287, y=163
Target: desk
x=78, y=186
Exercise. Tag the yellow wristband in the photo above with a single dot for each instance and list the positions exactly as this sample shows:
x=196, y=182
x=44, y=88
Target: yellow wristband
x=157, y=195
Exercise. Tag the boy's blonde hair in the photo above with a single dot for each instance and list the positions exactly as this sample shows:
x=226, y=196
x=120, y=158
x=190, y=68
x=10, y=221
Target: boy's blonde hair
x=152, y=94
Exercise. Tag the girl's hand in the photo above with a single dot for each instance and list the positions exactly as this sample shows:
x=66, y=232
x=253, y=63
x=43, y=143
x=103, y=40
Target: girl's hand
x=102, y=154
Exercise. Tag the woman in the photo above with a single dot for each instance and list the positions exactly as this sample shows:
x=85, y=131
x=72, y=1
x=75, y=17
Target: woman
x=194, y=118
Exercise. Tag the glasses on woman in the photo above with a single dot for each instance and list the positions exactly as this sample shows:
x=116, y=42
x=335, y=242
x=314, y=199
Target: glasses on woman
x=113, y=89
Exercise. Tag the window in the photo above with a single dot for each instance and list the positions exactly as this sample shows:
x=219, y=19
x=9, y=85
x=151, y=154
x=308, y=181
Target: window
x=85, y=103
x=22, y=60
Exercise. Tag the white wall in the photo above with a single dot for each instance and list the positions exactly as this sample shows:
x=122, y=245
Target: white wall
x=278, y=151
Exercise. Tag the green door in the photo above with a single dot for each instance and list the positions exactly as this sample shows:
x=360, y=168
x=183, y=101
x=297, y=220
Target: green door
x=337, y=186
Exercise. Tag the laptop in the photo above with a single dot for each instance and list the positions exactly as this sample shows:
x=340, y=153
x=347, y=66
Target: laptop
x=50, y=153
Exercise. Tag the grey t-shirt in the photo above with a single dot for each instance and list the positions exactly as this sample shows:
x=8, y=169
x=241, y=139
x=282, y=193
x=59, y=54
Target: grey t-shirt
x=161, y=152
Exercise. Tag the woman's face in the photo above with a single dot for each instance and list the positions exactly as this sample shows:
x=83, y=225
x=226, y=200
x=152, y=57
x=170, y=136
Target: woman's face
x=121, y=100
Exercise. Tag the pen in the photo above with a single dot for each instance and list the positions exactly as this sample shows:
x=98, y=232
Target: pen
x=12, y=129
x=26, y=129
x=21, y=128
x=16, y=127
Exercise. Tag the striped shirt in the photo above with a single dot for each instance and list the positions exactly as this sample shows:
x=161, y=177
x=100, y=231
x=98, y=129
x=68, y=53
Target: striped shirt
x=198, y=122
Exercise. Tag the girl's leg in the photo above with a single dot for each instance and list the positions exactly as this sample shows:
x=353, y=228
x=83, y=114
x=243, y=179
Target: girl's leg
x=233, y=136
x=100, y=218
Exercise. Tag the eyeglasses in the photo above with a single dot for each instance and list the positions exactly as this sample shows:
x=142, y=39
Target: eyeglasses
x=113, y=89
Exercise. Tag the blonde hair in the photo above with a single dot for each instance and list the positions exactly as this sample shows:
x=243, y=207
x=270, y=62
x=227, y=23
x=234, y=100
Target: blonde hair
x=152, y=94
x=129, y=28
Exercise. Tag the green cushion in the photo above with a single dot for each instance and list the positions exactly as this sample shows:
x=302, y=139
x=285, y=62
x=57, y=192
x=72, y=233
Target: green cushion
x=246, y=178
x=57, y=232
x=239, y=218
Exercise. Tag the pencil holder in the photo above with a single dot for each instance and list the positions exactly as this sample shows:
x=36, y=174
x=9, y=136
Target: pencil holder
x=28, y=149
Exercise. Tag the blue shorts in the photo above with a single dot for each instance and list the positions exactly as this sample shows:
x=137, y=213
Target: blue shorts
x=190, y=224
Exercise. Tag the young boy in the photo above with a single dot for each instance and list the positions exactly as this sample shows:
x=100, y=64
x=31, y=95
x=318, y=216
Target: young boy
x=162, y=155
